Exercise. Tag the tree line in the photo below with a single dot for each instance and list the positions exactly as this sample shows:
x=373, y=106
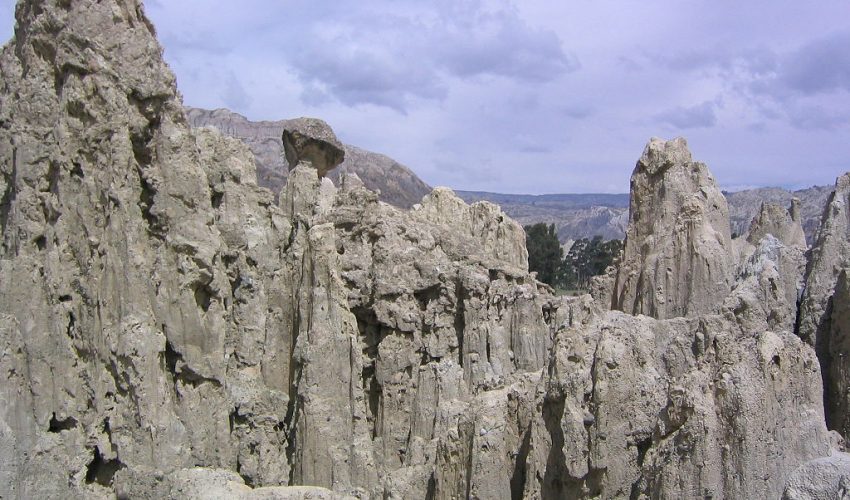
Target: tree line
x=588, y=257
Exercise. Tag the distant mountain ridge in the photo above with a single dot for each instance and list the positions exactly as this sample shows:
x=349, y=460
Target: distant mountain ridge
x=585, y=215
x=575, y=215
x=397, y=184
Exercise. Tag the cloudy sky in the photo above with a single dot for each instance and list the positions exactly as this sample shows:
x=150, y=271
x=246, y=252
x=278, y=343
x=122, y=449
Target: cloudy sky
x=533, y=96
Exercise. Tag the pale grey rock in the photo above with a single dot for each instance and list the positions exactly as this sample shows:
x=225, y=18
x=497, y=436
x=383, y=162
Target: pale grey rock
x=745, y=205
x=200, y=483
x=768, y=283
x=830, y=252
x=835, y=360
x=681, y=408
x=312, y=141
x=395, y=183
x=677, y=257
x=492, y=233
x=826, y=478
x=142, y=254
x=783, y=224
x=168, y=330
x=823, y=318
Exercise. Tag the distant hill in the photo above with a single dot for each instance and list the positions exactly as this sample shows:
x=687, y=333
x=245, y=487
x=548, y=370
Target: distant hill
x=586, y=215
x=397, y=184
x=743, y=206
x=575, y=215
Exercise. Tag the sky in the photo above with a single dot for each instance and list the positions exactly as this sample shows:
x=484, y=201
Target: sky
x=533, y=96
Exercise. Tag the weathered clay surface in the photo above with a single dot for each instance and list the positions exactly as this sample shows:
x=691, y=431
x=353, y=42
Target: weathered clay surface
x=312, y=141
x=680, y=408
x=199, y=483
x=826, y=478
x=166, y=329
x=677, y=257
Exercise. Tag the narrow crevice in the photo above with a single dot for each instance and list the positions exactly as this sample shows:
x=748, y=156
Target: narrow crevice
x=556, y=466
x=643, y=446
x=72, y=323
x=431, y=493
x=460, y=319
x=518, y=477
x=293, y=407
x=216, y=199
x=8, y=197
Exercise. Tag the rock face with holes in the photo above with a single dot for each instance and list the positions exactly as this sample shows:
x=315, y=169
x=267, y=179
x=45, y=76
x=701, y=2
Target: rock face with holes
x=677, y=258
x=168, y=329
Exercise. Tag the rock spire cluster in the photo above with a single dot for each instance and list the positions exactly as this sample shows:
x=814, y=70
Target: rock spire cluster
x=169, y=330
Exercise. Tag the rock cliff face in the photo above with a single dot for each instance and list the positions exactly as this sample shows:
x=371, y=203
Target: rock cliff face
x=169, y=331
x=824, y=320
x=677, y=257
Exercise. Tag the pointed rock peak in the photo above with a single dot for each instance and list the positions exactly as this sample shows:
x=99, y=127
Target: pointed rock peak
x=110, y=38
x=795, y=212
x=312, y=141
x=659, y=155
x=780, y=222
x=677, y=259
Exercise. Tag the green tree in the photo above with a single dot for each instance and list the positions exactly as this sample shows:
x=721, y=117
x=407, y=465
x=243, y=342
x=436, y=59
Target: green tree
x=544, y=252
x=587, y=258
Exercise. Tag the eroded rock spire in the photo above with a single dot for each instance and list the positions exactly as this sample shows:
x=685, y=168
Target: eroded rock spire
x=677, y=259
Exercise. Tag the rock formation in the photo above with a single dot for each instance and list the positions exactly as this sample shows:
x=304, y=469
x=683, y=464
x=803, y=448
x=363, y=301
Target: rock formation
x=783, y=224
x=310, y=140
x=395, y=183
x=677, y=259
x=168, y=330
x=745, y=205
x=824, y=320
x=826, y=478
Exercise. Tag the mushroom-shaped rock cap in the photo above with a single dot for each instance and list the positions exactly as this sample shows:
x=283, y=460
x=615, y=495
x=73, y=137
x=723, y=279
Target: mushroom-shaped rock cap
x=312, y=140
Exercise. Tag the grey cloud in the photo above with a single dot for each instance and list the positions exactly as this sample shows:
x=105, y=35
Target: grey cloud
x=747, y=62
x=503, y=45
x=534, y=149
x=194, y=42
x=366, y=76
x=819, y=66
x=816, y=117
x=399, y=58
x=234, y=94
x=576, y=111
x=699, y=116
